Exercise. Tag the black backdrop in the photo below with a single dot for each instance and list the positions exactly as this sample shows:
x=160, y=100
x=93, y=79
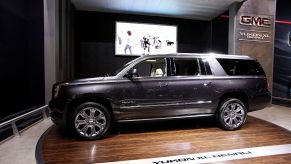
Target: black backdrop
x=22, y=51
x=21, y=48
x=219, y=35
x=95, y=38
x=21, y=56
x=282, y=54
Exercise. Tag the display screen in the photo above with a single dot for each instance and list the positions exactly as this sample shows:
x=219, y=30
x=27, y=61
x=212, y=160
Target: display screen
x=138, y=39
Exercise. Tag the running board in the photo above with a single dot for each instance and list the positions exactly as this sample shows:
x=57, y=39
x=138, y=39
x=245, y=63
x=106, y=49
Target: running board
x=168, y=118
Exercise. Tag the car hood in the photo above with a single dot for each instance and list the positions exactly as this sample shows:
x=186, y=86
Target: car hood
x=95, y=79
x=89, y=80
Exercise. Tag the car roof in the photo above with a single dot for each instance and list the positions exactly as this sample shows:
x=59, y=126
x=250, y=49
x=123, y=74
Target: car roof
x=199, y=55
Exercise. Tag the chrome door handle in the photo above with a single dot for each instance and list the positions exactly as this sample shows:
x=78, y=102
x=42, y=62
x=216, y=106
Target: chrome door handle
x=207, y=84
x=162, y=84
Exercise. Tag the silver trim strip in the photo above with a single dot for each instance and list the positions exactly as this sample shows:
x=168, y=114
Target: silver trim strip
x=13, y=120
x=281, y=98
x=172, y=104
x=167, y=118
x=201, y=77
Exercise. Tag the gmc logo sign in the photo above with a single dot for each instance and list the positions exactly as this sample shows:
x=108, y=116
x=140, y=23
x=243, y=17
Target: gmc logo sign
x=251, y=20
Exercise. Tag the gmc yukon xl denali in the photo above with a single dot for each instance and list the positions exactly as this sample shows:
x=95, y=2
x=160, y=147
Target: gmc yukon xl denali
x=154, y=87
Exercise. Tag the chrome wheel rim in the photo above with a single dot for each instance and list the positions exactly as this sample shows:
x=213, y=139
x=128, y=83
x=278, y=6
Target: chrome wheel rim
x=234, y=115
x=90, y=122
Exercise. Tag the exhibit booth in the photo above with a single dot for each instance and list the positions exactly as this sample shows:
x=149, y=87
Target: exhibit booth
x=48, y=45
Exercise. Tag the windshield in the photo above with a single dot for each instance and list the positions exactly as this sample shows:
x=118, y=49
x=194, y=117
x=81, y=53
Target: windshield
x=124, y=66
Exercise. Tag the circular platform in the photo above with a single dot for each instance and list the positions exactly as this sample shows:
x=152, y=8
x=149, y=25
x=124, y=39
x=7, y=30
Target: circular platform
x=159, y=139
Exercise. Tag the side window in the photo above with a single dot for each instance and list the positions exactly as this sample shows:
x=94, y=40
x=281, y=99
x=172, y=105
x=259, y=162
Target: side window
x=239, y=67
x=191, y=67
x=151, y=68
x=205, y=68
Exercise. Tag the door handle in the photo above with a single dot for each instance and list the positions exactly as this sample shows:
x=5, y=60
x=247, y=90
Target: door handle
x=163, y=84
x=208, y=84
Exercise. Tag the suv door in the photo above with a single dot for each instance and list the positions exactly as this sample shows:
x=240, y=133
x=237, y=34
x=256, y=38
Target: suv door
x=145, y=96
x=191, y=86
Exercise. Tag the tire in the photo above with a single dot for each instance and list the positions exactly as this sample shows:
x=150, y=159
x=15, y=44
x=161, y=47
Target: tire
x=90, y=121
x=231, y=114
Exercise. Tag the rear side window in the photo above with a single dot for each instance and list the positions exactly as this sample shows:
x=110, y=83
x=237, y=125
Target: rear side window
x=190, y=67
x=238, y=67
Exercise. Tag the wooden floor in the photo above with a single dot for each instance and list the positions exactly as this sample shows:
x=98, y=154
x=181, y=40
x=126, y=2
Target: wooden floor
x=167, y=138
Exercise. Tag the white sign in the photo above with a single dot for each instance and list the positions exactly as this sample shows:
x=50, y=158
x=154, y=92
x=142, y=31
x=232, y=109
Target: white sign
x=253, y=35
x=215, y=156
x=136, y=39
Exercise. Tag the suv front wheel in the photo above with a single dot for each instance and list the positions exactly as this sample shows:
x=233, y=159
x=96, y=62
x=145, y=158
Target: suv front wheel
x=231, y=114
x=90, y=121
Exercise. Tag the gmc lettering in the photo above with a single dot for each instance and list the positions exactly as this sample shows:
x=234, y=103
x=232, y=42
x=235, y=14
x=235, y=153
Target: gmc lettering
x=255, y=21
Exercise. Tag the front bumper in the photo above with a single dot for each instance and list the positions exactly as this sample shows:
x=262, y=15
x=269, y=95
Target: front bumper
x=58, y=112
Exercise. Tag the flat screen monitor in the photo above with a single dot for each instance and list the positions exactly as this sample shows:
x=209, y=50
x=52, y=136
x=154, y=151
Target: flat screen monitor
x=136, y=39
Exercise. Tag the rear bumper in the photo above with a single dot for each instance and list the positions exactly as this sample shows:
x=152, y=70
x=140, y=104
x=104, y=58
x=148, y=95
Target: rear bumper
x=260, y=101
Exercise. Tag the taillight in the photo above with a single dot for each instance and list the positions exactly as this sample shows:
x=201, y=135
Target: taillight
x=56, y=91
x=268, y=86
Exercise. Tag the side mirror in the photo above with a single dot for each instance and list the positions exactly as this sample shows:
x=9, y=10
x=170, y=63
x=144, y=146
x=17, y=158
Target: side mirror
x=132, y=73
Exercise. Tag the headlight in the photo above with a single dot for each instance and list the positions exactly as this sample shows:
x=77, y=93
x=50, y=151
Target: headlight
x=56, y=91
x=57, y=87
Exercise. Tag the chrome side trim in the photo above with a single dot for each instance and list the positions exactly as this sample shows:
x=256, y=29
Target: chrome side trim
x=169, y=78
x=167, y=118
x=159, y=105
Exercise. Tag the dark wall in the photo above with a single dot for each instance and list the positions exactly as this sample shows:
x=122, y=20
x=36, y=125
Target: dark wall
x=282, y=54
x=21, y=59
x=220, y=34
x=95, y=38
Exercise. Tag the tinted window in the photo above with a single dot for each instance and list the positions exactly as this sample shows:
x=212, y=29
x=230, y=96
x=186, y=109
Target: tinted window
x=191, y=67
x=205, y=68
x=151, y=68
x=238, y=67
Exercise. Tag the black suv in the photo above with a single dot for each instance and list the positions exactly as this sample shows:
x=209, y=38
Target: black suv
x=155, y=87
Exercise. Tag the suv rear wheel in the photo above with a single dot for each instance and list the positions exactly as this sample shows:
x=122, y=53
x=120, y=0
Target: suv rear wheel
x=231, y=114
x=90, y=121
